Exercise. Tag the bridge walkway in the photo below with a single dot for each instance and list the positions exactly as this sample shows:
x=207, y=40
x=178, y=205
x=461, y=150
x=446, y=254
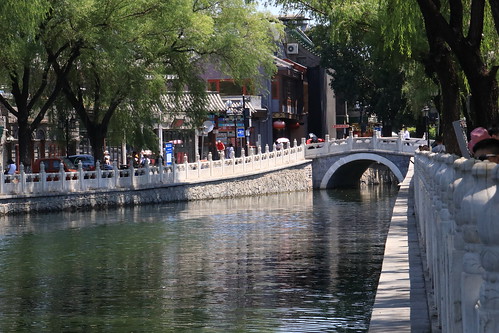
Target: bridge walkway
x=401, y=303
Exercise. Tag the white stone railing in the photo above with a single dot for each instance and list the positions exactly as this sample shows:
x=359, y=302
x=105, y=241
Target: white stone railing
x=457, y=211
x=389, y=144
x=25, y=183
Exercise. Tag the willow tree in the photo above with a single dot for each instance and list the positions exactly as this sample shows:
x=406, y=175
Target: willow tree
x=459, y=35
x=352, y=50
x=127, y=49
x=26, y=69
x=436, y=63
x=467, y=27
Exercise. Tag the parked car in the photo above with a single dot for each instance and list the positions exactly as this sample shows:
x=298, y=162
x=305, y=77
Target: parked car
x=87, y=161
x=53, y=164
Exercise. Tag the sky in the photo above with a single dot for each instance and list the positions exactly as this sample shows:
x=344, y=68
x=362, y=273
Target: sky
x=277, y=11
x=273, y=9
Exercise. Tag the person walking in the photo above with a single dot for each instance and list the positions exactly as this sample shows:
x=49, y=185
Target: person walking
x=405, y=133
x=438, y=146
x=11, y=167
x=220, y=148
x=229, y=152
x=487, y=149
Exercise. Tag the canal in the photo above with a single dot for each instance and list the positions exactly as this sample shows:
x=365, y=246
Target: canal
x=298, y=262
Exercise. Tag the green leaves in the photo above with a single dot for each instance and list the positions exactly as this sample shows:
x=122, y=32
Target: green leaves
x=112, y=57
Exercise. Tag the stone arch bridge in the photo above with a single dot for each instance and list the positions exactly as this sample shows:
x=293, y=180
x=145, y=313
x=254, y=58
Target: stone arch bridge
x=341, y=163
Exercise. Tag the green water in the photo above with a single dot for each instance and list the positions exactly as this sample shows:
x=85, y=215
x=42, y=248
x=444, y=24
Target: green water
x=299, y=262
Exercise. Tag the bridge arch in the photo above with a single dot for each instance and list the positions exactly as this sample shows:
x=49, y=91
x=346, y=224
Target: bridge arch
x=363, y=160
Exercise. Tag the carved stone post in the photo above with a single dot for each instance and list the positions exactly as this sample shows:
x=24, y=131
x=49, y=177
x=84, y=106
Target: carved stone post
x=471, y=206
x=452, y=318
x=444, y=224
x=488, y=231
x=463, y=181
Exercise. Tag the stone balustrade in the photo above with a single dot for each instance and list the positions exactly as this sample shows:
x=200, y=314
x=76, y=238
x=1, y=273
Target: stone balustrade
x=388, y=144
x=41, y=183
x=457, y=211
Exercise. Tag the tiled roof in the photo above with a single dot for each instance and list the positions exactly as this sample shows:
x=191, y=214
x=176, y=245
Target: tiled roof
x=281, y=63
x=302, y=37
x=185, y=101
x=175, y=109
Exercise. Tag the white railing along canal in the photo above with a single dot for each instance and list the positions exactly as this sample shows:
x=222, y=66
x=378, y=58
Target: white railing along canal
x=24, y=183
x=380, y=144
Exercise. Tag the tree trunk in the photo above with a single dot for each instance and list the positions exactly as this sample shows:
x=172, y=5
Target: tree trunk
x=24, y=140
x=97, y=136
x=485, y=95
x=482, y=81
x=441, y=63
x=450, y=101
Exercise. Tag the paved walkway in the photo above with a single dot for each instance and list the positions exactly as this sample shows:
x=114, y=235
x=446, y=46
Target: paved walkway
x=401, y=303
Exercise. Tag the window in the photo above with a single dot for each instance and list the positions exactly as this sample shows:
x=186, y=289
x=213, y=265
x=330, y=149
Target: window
x=229, y=87
x=275, y=89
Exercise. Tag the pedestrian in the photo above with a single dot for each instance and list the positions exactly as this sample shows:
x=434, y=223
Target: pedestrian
x=144, y=160
x=107, y=158
x=312, y=138
x=405, y=133
x=220, y=148
x=136, y=160
x=493, y=132
x=229, y=151
x=160, y=160
x=477, y=135
x=438, y=145
x=278, y=145
x=11, y=167
x=487, y=149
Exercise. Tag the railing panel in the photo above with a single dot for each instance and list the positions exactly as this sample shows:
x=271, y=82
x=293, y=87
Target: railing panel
x=339, y=146
x=100, y=179
x=456, y=210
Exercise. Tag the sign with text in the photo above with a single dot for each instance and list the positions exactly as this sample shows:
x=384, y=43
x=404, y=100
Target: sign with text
x=341, y=126
x=169, y=153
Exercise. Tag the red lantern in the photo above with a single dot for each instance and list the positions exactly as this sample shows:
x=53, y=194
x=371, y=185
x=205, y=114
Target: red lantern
x=294, y=125
x=279, y=124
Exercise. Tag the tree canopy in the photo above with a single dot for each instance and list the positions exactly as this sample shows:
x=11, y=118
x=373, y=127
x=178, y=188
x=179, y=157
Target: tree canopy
x=114, y=57
x=454, y=44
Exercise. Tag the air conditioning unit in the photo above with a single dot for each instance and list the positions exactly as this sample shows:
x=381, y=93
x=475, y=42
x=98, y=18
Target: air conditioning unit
x=292, y=48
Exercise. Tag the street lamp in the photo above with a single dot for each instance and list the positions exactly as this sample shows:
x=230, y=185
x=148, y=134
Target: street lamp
x=232, y=114
x=246, y=125
x=426, y=111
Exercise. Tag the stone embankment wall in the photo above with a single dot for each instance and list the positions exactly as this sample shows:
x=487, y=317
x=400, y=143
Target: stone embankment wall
x=378, y=174
x=296, y=178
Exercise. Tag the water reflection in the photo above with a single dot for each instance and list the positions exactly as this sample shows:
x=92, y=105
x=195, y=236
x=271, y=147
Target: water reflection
x=298, y=262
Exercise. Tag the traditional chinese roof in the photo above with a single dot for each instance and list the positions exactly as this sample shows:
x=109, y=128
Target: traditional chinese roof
x=282, y=63
x=185, y=102
x=174, y=109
